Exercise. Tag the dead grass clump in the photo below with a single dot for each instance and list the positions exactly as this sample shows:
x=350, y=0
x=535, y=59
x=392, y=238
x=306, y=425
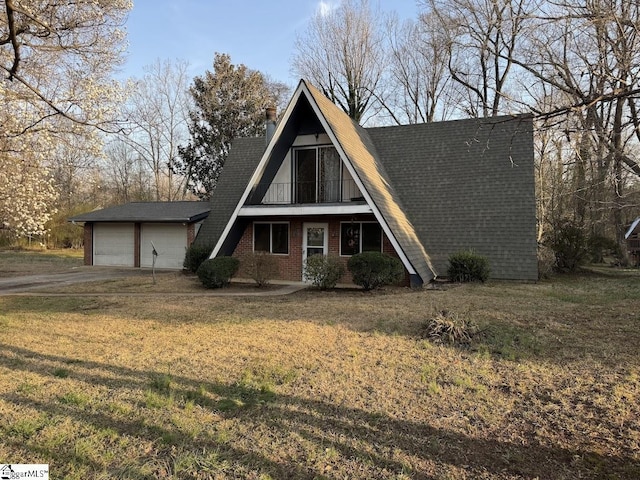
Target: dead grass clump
x=449, y=328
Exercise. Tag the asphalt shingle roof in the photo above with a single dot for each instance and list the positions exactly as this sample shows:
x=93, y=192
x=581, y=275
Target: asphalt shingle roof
x=148, y=212
x=467, y=184
x=363, y=156
x=244, y=156
x=440, y=187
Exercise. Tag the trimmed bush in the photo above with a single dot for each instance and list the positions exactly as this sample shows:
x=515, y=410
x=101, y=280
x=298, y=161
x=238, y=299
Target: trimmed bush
x=323, y=271
x=468, y=266
x=195, y=255
x=217, y=272
x=261, y=266
x=374, y=269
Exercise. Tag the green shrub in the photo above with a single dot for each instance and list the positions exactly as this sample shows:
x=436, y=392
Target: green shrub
x=468, y=266
x=62, y=233
x=195, y=255
x=374, y=269
x=449, y=328
x=323, y=271
x=600, y=246
x=217, y=272
x=569, y=244
x=261, y=266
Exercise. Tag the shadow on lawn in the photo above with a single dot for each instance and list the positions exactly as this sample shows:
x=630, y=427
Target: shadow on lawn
x=369, y=441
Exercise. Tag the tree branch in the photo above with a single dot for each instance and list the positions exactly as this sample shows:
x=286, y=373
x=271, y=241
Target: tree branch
x=13, y=38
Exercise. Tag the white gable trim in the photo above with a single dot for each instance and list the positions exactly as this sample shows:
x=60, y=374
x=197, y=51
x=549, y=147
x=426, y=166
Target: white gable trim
x=296, y=210
x=259, y=169
x=632, y=227
x=302, y=88
x=407, y=264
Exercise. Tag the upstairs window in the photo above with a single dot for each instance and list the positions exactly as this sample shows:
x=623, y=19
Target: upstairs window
x=318, y=175
x=271, y=237
x=357, y=237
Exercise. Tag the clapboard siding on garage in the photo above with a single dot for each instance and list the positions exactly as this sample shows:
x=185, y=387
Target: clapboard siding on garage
x=114, y=244
x=170, y=241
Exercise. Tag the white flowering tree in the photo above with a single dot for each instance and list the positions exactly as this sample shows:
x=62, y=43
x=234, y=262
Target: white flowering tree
x=26, y=197
x=56, y=62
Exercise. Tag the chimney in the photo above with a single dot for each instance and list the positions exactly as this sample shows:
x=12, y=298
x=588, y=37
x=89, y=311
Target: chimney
x=270, y=116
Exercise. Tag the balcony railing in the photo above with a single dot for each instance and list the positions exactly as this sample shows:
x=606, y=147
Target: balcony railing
x=308, y=192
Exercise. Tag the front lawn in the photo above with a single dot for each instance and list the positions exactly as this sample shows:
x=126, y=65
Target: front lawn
x=34, y=262
x=327, y=384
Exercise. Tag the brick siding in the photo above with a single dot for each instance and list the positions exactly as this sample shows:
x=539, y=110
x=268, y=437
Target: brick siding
x=88, y=243
x=290, y=265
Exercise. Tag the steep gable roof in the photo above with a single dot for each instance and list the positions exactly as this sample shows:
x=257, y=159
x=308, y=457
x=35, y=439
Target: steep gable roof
x=243, y=159
x=467, y=184
x=435, y=188
x=363, y=157
x=632, y=228
x=353, y=143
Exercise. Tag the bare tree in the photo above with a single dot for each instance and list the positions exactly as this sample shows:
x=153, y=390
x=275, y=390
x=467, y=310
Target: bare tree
x=590, y=54
x=419, y=82
x=158, y=112
x=484, y=37
x=125, y=176
x=342, y=52
x=72, y=168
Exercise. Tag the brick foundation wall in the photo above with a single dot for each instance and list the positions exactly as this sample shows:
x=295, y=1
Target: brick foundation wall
x=191, y=233
x=136, y=245
x=88, y=243
x=290, y=265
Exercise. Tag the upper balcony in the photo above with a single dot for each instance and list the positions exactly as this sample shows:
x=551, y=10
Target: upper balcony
x=298, y=193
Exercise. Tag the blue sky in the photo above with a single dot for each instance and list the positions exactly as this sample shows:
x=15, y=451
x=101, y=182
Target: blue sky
x=260, y=34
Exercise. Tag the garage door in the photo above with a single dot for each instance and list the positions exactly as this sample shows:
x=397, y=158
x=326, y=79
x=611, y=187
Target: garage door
x=113, y=244
x=170, y=241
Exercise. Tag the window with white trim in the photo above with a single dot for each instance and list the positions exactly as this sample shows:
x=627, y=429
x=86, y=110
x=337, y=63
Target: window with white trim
x=271, y=237
x=357, y=237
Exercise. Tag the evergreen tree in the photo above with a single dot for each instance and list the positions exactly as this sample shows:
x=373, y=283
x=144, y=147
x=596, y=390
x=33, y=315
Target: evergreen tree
x=230, y=102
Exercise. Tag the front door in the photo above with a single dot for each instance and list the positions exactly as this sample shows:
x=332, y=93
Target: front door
x=315, y=240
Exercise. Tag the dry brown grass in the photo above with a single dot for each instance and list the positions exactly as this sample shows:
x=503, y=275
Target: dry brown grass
x=326, y=384
x=27, y=262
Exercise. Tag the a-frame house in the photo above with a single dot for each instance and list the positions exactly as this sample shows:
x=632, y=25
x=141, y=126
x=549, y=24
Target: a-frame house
x=323, y=184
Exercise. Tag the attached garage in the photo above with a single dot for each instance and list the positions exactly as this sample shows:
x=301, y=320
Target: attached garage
x=113, y=244
x=126, y=235
x=169, y=240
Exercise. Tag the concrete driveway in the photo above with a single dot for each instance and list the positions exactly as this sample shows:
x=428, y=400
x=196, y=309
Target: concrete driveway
x=28, y=283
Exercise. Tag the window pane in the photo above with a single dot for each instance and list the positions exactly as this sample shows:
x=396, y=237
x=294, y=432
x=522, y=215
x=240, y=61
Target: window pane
x=280, y=238
x=349, y=238
x=261, y=234
x=306, y=176
x=315, y=237
x=371, y=237
x=329, y=171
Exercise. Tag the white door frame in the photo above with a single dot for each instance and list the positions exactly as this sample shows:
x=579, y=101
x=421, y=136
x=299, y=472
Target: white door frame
x=325, y=249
